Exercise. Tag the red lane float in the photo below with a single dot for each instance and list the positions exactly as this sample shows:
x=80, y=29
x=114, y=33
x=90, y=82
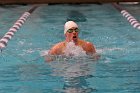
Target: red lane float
x=128, y=16
x=17, y=25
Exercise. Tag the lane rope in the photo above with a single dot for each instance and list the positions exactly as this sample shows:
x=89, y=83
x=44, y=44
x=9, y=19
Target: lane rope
x=17, y=25
x=133, y=21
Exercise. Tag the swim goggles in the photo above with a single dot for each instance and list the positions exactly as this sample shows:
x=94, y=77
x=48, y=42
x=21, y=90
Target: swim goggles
x=71, y=30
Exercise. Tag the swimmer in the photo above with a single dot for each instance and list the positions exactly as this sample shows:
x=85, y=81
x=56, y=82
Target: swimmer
x=71, y=32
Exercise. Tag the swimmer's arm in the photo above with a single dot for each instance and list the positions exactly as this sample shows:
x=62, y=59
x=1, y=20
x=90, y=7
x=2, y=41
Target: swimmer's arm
x=91, y=50
x=55, y=50
x=49, y=58
x=96, y=56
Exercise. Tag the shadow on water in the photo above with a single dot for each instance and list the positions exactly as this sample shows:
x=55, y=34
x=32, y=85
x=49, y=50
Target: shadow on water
x=75, y=74
x=76, y=16
x=11, y=6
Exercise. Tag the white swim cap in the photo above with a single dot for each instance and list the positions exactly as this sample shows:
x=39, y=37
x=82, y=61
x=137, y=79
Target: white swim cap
x=69, y=25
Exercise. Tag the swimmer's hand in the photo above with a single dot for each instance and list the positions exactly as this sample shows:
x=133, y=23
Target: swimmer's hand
x=49, y=58
x=96, y=56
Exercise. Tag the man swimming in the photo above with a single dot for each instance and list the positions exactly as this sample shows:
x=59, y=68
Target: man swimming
x=71, y=32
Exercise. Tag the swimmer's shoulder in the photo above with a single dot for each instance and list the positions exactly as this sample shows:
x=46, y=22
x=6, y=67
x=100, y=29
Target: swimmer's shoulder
x=87, y=46
x=57, y=48
x=60, y=44
x=83, y=42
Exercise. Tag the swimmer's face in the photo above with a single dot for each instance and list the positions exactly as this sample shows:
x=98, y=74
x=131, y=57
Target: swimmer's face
x=72, y=34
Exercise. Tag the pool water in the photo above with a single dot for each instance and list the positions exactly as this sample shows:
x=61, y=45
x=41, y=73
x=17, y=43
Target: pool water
x=24, y=70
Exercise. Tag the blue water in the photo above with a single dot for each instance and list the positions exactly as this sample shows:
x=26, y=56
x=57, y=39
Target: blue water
x=24, y=70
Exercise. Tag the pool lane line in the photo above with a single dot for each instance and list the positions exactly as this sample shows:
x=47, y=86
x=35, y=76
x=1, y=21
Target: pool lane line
x=4, y=40
x=129, y=17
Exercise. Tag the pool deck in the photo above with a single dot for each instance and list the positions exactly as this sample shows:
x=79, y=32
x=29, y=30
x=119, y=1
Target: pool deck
x=60, y=1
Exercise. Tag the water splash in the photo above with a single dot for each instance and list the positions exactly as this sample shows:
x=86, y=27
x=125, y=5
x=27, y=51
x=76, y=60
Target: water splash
x=73, y=50
x=44, y=52
x=109, y=49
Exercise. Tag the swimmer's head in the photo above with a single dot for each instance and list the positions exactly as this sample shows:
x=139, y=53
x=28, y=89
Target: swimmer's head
x=69, y=25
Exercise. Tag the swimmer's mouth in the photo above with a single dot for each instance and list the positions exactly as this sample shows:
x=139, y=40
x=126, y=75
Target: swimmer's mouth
x=74, y=37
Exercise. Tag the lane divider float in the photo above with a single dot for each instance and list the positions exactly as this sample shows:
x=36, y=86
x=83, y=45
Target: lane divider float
x=133, y=21
x=17, y=25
